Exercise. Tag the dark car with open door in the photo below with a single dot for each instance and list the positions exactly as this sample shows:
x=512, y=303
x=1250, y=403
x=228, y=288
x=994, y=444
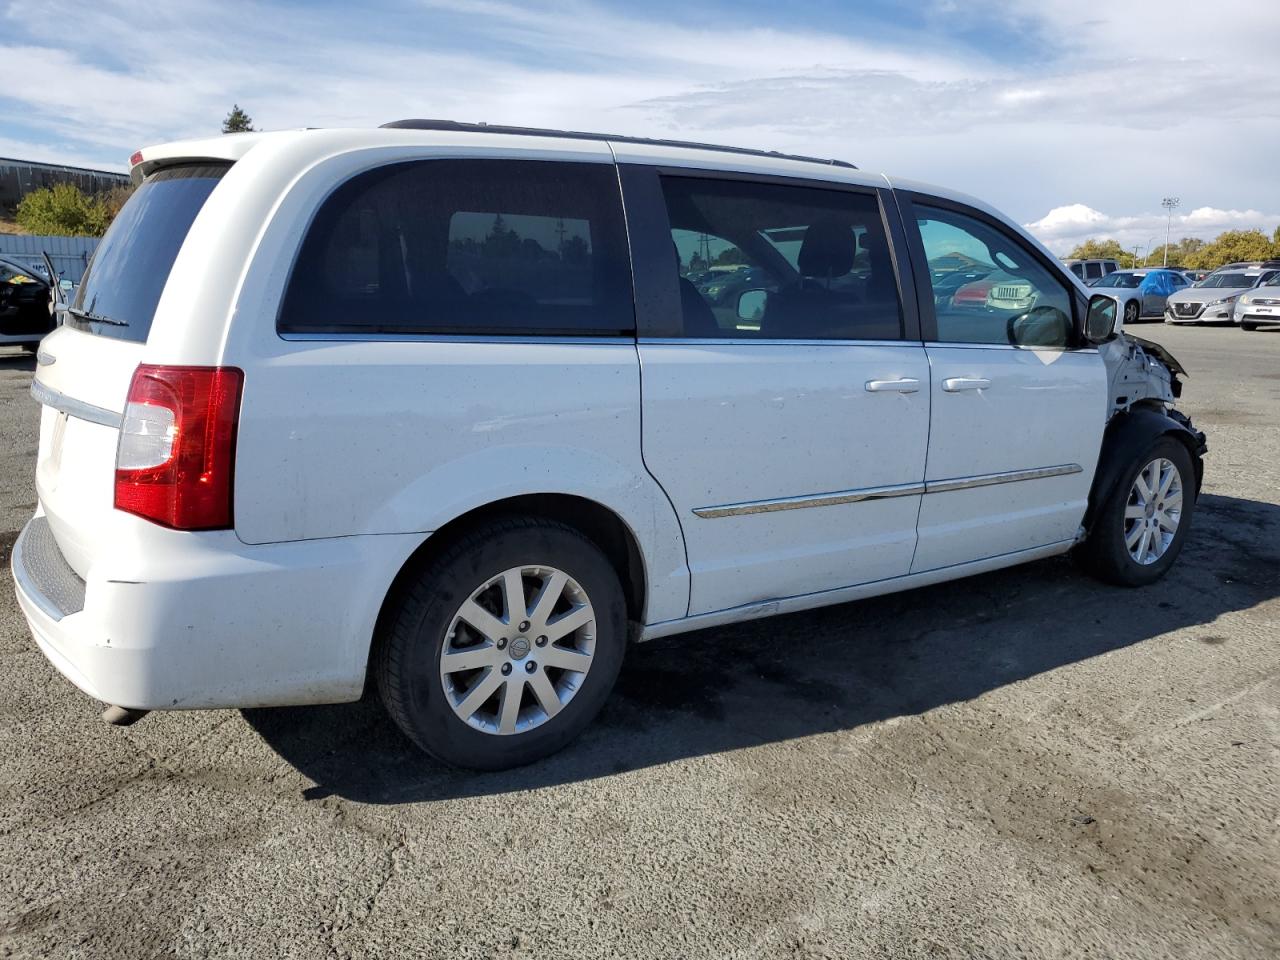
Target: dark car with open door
x=25, y=298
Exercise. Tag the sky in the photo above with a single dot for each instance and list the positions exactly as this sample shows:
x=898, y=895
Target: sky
x=1075, y=117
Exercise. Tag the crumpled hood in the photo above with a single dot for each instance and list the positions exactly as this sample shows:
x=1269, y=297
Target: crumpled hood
x=1206, y=294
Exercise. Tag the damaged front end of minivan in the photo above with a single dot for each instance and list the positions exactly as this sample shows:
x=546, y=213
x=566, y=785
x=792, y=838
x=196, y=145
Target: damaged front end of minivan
x=1143, y=381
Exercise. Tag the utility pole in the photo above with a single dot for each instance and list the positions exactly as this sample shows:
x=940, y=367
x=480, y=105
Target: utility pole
x=1170, y=204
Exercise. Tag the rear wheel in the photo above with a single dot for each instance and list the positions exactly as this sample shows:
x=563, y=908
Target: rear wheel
x=1139, y=532
x=506, y=646
x=1131, y=312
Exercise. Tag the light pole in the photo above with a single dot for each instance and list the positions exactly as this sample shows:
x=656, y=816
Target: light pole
x=1170, y=204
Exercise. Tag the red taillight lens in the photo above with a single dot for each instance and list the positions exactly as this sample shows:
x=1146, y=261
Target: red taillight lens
x=177, y=447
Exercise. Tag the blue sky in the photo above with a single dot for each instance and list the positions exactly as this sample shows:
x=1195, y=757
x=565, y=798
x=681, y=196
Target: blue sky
x=1074, y=116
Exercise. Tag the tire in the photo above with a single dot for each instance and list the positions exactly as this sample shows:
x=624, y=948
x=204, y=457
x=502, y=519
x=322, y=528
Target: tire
x=1132, y=312
x=1248, y=327
x=459, y=715
x=1105, y=553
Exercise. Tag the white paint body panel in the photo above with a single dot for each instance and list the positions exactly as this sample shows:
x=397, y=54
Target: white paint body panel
x=737, y=423
x=1043, y=408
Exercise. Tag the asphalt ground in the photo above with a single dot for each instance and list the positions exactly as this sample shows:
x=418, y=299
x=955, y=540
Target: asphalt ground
x=1026, y=763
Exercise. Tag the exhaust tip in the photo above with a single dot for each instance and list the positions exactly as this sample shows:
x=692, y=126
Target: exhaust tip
x=122, y=716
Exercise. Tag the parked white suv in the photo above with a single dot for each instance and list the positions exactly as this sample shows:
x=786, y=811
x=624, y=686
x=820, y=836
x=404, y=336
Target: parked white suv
x=443, y=405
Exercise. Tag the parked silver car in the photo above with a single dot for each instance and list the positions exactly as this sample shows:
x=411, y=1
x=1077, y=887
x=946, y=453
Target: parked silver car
x=1213, y=299
x=1142, y=293
x=1261, y=304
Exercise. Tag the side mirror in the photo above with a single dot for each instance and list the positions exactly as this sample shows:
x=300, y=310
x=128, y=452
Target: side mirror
x=1043, y=326
x=1103, y=320
x=751, y=304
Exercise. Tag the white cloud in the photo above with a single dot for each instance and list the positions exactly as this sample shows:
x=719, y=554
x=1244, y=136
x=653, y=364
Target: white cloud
x=1121, y=104
x=1064, y=227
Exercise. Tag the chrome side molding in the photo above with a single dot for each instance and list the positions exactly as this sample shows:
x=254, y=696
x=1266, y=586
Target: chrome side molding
x=73, y=407
x=814, y=500
x=883, y=493
x=1009, y=476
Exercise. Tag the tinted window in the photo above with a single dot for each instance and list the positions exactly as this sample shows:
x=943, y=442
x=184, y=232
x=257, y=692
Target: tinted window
x=1228, y=280
x=1092, y=271
x=466, y=247
x=120, y=290
x=1129, y=281
x=1016, y=300
x=1078, y=270
x=781, y=262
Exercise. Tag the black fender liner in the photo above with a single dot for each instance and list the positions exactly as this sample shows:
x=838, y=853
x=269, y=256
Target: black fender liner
x=1127, y=435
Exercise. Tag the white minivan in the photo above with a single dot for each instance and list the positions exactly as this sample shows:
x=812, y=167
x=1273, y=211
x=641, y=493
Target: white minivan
x=467, y=409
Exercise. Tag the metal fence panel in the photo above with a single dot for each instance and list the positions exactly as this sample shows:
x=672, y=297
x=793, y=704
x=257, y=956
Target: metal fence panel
x=70, y=255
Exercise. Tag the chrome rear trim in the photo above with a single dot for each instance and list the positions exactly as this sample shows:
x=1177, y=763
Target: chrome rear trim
x=73, y=407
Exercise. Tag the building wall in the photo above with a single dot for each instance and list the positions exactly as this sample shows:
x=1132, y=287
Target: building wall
x=20, y=177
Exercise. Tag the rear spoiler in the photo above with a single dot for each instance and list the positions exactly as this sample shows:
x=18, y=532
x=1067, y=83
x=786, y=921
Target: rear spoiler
x=227, y=148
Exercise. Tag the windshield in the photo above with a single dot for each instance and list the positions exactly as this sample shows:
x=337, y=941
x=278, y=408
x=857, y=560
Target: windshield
x=1125, y=280
x=1228, y=280
x=122, y=286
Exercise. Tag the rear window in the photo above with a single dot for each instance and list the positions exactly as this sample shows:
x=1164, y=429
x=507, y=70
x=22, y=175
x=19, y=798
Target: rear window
x=466, y=247
x=122, y=286
x=120, y=290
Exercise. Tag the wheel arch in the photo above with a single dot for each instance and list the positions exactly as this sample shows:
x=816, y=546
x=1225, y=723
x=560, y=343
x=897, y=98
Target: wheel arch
x=602, y=525
x=1127, y=435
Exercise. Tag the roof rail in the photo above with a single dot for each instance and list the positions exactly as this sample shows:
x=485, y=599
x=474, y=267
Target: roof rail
x=579, y=135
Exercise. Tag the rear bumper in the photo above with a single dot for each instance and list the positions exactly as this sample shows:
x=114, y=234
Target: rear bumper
x=208, y=621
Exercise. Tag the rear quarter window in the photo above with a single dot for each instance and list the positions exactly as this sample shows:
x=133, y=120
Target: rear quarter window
x=496, y=247
x=118, y=295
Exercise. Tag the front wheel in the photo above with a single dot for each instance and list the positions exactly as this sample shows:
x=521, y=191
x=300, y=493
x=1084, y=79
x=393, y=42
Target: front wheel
x=506, y=646
x=1247, y=326
x=1138, y=533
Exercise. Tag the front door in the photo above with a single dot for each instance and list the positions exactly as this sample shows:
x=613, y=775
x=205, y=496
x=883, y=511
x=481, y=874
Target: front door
x=1018, y=408
x=785, y=410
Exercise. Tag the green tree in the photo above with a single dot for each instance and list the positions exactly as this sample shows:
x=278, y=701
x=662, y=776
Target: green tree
x=1093, y=249
x=63, y=210
x=237, y=121
x=1232, y=246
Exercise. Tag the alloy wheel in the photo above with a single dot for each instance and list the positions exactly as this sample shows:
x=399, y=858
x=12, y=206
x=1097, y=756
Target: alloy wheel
x=1153, y=511
x=518, y=650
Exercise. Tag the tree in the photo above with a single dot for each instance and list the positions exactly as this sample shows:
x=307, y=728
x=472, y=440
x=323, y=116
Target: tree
x=237, y=121
x=1231, y=247
x=63, y=210
x=1100, y=250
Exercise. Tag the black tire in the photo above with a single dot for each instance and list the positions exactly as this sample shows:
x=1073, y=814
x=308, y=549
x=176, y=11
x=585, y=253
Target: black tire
x=1247, y=326
x=407, y=658
x=1104, y=555
x=1132, y=312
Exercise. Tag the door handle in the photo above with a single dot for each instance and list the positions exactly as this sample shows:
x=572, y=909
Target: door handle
x=956, y=384
x=905, y=385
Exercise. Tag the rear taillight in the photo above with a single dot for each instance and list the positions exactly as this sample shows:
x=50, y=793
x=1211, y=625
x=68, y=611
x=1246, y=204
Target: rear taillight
x=177, y=447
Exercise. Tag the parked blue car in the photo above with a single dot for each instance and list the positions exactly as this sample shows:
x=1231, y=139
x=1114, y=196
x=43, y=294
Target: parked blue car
x=1142, y=293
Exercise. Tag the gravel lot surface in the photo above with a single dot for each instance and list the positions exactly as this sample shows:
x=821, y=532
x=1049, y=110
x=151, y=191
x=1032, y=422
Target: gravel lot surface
x=1020, y=764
